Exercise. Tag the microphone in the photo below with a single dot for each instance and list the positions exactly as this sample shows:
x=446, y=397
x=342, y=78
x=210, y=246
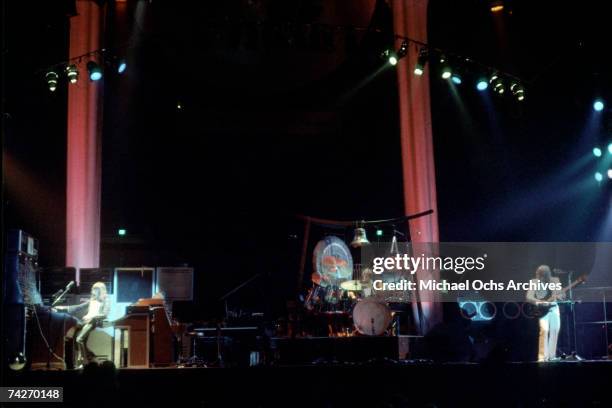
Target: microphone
x=66, y=289
x=62, y=293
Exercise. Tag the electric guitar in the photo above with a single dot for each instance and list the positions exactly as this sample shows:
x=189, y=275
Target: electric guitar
x=532, y=310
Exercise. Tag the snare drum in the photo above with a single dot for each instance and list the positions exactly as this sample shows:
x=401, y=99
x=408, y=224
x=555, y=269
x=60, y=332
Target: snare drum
x=371, y=317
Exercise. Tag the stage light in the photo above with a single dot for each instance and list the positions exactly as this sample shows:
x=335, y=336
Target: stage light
x=497, y=6
x=597, y=151
x=403, y=49
x=95, y=72
x=121, y=232
x=610, y=148
x=51, y=78
x=518, y=91
x=456, y=79
x=72, y=73
x=497, y=83
x=391, y=56
x=482, y=84
x=121, y=66
x=598, y=176
x=598, y=105
x=446, y=70
x=610, y=174
x=419, y=67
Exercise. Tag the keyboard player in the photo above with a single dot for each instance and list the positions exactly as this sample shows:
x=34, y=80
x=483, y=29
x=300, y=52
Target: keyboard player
x=98, y=308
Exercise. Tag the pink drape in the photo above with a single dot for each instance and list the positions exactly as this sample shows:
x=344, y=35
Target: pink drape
x=410, y=20
x=83, y=173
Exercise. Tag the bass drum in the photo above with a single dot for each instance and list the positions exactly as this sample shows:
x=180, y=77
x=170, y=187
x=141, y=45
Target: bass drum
x=371, y=317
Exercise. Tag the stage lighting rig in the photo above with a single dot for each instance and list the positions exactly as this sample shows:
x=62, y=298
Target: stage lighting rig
x=598, y=105
x=391, y=56
x=419, y=67
x=121, y=66
x=517, y=91
x=446, y=70
x=497, y=6
x=403, y=49
x=482, y=84
x=497, y=83
x=95, y=71
x=72, y=73
x=51, y=77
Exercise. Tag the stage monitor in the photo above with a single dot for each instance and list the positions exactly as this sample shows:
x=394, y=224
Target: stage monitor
x=132, y=284
x=89, y=276
x=176, y=283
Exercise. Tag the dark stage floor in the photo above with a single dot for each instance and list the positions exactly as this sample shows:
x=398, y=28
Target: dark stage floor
x=407, y=384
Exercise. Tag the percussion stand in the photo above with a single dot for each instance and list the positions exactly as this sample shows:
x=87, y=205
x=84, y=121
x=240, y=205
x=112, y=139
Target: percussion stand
x=194, y=359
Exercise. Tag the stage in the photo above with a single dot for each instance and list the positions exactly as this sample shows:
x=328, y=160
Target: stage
x=379, y=383
x=307, y=203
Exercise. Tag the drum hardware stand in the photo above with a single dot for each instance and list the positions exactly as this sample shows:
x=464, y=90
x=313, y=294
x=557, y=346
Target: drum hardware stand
x=219, y=362
x=194, y=359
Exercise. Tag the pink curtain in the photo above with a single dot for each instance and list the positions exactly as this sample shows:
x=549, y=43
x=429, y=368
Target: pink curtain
x=83, y=173
x=410, y=20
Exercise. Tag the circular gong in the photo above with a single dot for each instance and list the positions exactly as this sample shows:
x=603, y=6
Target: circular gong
x=332, y=262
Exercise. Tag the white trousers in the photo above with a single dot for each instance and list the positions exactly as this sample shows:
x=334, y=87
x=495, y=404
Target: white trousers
x=550, y=324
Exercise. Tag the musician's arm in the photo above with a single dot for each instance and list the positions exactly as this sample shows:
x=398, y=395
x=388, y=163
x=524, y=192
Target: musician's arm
x=530, y=297
x=77, y=308
x=103, y=314
x=558, y=294
x=71, y=309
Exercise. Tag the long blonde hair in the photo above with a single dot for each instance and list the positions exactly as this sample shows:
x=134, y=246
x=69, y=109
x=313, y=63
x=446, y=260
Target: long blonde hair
x=103, y=291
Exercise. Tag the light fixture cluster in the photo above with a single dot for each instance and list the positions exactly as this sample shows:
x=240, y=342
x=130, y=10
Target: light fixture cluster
x=452, y=67
x=454, y=70
x=70, y=71
x=602, y=172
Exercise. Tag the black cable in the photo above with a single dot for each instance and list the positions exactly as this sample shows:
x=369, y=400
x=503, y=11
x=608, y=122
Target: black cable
x=50, y=350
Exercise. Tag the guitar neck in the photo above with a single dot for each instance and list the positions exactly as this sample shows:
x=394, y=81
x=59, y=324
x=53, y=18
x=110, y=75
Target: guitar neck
x=568, y=287
x=572, y=285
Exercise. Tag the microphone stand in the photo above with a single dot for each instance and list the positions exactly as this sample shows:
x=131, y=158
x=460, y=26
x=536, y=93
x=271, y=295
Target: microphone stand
x=61, y=296
x=49, y=319
x=236, y=289
x=224, y=298
x=574, y=355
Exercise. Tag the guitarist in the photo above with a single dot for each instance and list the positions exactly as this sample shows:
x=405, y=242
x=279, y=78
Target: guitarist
x=550, y=320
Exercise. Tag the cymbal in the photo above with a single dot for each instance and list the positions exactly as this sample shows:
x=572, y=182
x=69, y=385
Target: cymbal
x=352, y=285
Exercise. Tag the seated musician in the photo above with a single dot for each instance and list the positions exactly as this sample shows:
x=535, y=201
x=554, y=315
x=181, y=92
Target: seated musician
x=98, y=307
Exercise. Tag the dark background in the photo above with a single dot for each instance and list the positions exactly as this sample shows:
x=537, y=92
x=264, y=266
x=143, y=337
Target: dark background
x=283, y=122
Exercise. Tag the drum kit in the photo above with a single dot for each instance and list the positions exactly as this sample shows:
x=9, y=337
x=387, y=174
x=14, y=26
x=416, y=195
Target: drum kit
x=341, y=298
